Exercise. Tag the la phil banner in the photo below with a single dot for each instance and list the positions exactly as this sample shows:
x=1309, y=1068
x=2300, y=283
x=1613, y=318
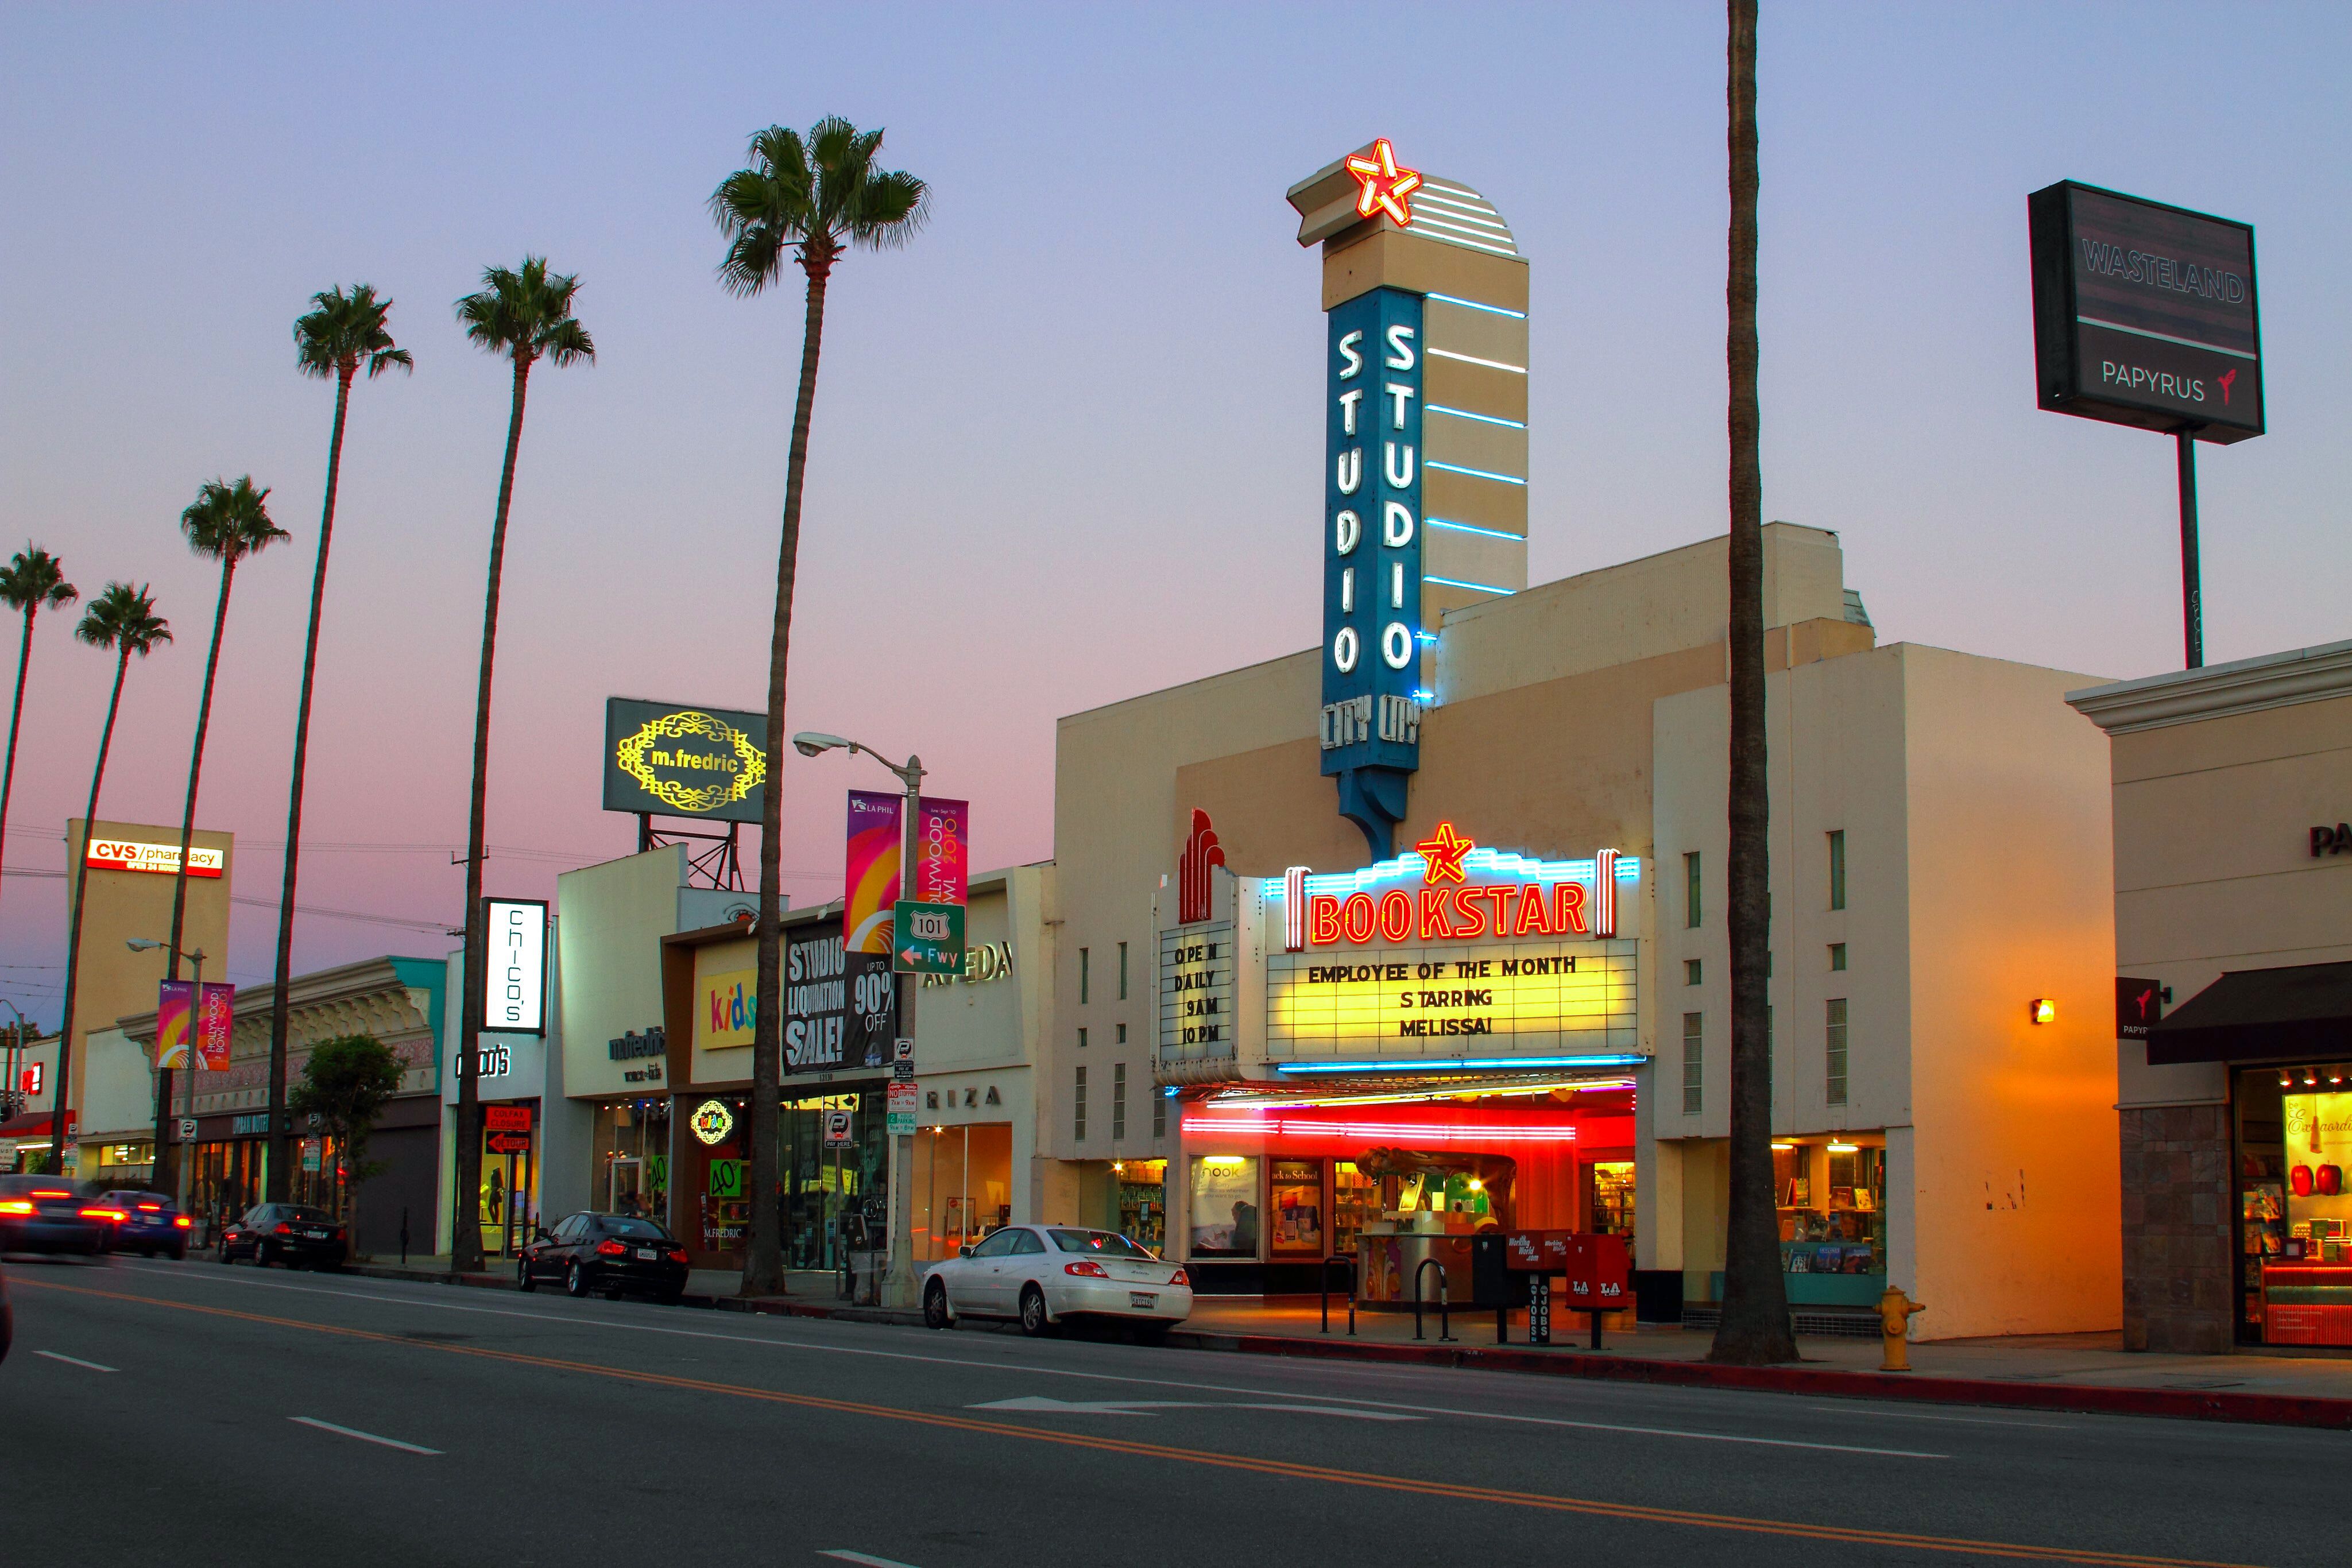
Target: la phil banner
x=211, y=1009
x=870, y=882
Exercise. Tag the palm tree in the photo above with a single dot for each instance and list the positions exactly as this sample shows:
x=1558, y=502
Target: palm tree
x=812, y=199
x=526, y=315
x=1754, y=1328
x=31, y=582
x=225, y=523
x=123, y=618
x=342, y=332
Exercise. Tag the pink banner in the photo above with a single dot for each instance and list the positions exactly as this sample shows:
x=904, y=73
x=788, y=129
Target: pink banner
x=175, y=1000
x=870, y=882
x=943, y=853
x=216, y=1012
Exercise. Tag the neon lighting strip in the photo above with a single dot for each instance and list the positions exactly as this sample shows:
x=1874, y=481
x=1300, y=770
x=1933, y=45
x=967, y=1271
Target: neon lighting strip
x=1238, y=1101
x=1425, y=636
x=1473, y=304
x=1499, y=862
x=1475, y=360
x=1474, y=528
x=2159, y=337
x=1481, y=418
x=1410, y=1134
x=1458, y=582
x=1461, y=1064
x=1474, y=473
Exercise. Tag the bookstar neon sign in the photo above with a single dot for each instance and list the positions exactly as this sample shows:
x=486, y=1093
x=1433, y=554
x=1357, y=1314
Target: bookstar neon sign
x=1512, y=898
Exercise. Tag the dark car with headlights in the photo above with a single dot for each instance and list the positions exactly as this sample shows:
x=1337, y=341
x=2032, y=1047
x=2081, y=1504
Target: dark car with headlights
x=45, y=1214
x=616, y=1254
x=151, y=1223
x=288, y=1233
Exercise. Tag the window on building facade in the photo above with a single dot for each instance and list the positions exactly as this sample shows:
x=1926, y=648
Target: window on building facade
x=1693, y=1063
x=1122, y=971
x=1837, y=955
x=1118, y=1101
x=1122, y=1034
x=1083, y=975
x=1836, y=1041
x=1082, y=1037
x=1691, y=903
x=1158, y=1115
x=1690, y=972
x=1078, y=1106
x=1837, y=868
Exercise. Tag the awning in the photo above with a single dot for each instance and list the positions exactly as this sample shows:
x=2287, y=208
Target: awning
x=2298, y=1013
x=30, y=1124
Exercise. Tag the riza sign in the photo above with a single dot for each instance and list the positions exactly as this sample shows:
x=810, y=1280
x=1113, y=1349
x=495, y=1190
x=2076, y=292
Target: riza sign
x=667, y=760
x=514, y=968
x=2144, y=314
x=130, y=854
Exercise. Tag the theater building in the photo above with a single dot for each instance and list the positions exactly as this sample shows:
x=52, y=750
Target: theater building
x=2233, y=944
x=1420, y=931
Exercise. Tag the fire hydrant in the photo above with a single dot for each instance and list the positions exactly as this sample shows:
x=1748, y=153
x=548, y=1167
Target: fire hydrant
x=1894, y=1310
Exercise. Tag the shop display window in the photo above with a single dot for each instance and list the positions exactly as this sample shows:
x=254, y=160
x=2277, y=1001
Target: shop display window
x=1296, y=1202
x=1355, y=1203
x=1832, y=1214
x=1225, y=1206
x=1143, y=1202
x=1612, y=1198
x=2294, y=1206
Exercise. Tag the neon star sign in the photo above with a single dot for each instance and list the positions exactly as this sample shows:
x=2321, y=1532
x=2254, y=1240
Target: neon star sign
x=1444, y=852
x=1383, y=186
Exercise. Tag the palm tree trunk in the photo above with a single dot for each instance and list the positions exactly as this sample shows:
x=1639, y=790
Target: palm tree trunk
x=279, y=1142
x=165, y=1172
x=16, y=713
x=764, y=1259
x=466, y=1230
x=1755, y=1327
x=73, y=929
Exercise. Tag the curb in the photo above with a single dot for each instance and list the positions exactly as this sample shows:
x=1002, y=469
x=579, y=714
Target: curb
x=2259, y=1409
x=2107, y=1399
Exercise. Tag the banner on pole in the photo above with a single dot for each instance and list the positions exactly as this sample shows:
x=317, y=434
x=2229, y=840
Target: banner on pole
x=870, y=876
x=216, y=1015
x=175, y=1002
x=943, y=858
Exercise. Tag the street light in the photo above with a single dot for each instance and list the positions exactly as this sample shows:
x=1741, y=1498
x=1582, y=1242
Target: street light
x=899, y=1283
x=186, y=1173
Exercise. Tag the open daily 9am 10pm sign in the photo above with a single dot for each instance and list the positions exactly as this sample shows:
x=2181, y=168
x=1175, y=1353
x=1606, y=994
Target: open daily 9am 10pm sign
x=672, y=760
x=2145, y=314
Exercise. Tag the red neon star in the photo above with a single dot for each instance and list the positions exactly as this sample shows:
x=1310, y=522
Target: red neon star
x=1385, y=186
x=1444, y=854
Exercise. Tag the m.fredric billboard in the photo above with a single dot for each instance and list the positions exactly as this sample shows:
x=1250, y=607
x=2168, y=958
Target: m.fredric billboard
x=2144, y=314
x=672, y=760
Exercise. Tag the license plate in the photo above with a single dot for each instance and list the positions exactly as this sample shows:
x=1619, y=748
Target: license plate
x=315, y=1235
x=647, y=1254
x=1142, y=1299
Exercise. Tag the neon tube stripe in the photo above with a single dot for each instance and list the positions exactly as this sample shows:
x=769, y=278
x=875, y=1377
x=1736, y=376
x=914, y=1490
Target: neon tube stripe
x=1473, y=472
x=1474, y=528
x=1460, y=1064
x=1481, y=418
x=1458, y=582
x=1413, y=1134
x=1473, y=304
x=1475, y=360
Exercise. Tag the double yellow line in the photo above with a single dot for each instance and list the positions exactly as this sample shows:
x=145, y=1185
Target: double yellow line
x=1288, y=1470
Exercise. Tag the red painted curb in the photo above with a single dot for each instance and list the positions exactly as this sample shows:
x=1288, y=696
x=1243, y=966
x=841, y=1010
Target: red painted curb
x=2263, y=1409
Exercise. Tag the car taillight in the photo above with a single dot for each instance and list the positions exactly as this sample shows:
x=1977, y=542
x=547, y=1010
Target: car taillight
x=151, y=1209
x=284, y=1228
x=609, y=1249
x=678, y=1254
x=1181, y=1277
x=103, y=1214
x=182, y=1222
x=15, y=1206
x=1088, y=1268
x=44, y=1192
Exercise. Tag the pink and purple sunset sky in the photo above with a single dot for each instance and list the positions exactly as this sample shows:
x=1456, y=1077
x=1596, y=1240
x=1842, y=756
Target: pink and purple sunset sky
x=1067, y=444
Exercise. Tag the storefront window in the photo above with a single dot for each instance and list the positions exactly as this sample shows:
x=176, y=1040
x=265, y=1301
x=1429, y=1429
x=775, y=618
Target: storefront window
x=1297, y=1204
x=1224, y=1199
x=632, y=1152
x=1355, y=1203
x=963, y=1186
x=1832, y=1210
x=1143, y=1201
x=2295, y=1205
x=836, y=1194
x=1612, y=1198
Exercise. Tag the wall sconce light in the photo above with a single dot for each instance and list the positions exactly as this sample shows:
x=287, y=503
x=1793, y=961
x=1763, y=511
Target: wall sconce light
x=1844, y=1148
x=2044, y=1011
x=1782, y=1148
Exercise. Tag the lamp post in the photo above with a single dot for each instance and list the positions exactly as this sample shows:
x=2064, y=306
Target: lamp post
x=899, y=1283
x=186, y=1182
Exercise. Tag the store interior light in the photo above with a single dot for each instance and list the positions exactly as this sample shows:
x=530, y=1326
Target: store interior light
x=2044, y=1011
x=1844, y=1148
x=1222, y=1160
x=1783, y=1148
x=2286, y=1080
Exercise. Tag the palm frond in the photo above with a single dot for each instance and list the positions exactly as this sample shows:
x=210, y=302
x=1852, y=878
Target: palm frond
x=123, y=618
x=341, y=331
x=229, y=522
x=34, y=581
x=525, y=313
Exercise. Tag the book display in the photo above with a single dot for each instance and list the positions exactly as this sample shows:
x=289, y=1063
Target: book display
x=2295, y=1219
x=1833, y=1221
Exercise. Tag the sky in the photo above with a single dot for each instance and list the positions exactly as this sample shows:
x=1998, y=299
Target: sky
x=1067, y=444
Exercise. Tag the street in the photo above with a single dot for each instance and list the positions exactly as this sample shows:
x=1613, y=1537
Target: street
x=245, y=1416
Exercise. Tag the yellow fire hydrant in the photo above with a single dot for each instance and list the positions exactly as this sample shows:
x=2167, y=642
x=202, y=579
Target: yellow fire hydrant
x=1894, y=1310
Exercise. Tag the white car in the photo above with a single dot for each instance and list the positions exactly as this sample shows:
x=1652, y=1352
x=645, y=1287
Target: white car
x=1040, y=1275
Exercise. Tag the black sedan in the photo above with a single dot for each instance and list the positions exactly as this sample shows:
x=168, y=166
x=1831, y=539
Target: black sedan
x=288, y=1233
x=43, y=1214
x=151, y=1223
x=616, y=1254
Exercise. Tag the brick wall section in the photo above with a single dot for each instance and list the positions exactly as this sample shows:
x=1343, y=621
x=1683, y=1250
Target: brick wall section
x=2177, y=1229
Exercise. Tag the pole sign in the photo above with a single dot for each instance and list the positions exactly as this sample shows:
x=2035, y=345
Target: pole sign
x=514, y=978
x=175, y=1002
x=2145, y=314
x=215, y=1023
x=669, y=759
x=933, y=939
x=942, y=854
x=900, y=1109
x=836, y=1129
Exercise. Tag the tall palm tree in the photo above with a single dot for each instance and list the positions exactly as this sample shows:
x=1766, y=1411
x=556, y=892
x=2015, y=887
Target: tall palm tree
x=31, y=582
x=225, y=523
x=524, y=315
x=340, y=333
x=809, y=198
x=122, y=618
x=1754, y=1328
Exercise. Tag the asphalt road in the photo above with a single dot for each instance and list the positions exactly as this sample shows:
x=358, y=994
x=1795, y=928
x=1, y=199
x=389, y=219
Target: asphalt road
x=192, y=1414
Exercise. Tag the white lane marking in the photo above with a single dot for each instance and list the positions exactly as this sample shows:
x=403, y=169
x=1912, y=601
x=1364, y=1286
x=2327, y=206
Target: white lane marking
x=76, y=1361
x=1860, y=1410
x=362, y=1436
x=846, y=1555
x=1039, y=1405
x=1019, y=1367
